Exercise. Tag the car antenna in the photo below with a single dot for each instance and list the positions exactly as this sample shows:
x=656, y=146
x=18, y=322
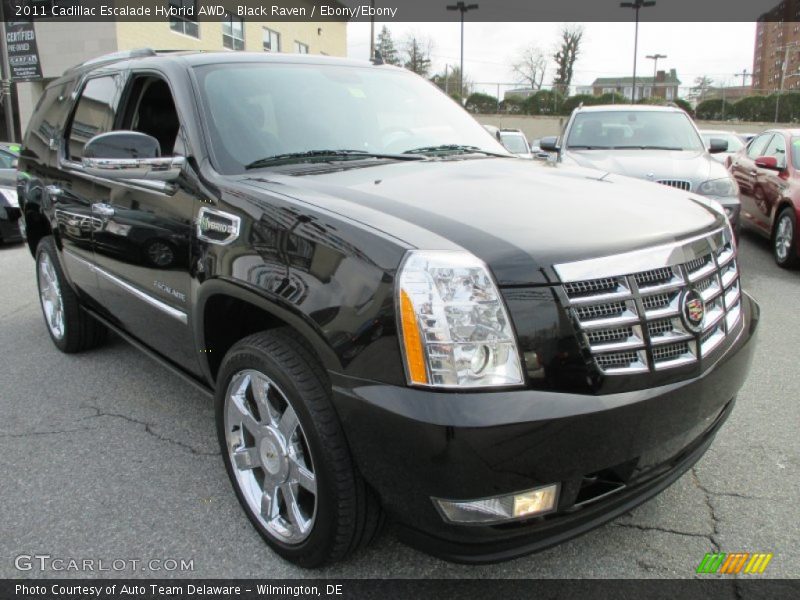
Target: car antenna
x=377, y=59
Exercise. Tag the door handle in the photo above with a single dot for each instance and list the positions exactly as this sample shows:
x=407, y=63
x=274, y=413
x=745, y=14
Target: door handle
x=102, y=209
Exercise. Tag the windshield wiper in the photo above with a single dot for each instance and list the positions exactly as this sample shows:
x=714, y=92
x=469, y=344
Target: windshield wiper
x=584, y=147
x=454, y=149
x=324, y=155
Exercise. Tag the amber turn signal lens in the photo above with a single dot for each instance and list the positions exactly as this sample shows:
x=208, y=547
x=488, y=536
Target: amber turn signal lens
x=415, y=359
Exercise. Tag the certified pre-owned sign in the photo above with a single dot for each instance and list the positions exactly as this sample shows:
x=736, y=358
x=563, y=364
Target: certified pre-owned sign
x=23, y=54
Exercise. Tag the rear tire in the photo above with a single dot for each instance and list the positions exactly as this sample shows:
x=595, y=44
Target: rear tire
x=286, y=453
x=70, y=328
x=784, y=239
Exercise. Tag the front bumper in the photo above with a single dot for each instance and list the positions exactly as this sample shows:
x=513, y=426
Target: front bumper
x=609, y=452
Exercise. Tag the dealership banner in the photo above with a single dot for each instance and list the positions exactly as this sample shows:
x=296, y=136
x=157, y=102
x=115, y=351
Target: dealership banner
x=23, y=55
x=388, y=589
x=396, y=10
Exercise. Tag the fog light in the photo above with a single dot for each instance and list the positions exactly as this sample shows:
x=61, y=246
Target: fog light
x=529, y=503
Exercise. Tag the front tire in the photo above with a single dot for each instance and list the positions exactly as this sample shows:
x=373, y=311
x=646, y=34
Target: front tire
x=784, y=240
x=286, y=454
x=70, y=328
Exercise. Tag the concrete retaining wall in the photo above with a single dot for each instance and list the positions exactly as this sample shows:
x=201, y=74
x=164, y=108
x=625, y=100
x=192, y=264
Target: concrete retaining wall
x=536, y=127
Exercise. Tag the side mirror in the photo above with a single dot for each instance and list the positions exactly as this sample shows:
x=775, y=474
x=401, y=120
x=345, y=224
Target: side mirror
x=549, y=144
x=717, y=145
x=768, y=162
x=122, y=155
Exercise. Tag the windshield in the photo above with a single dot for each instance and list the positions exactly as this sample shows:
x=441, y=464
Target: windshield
x=514, y=142
x=734, y=141
x=256, y=111
x=633, y=129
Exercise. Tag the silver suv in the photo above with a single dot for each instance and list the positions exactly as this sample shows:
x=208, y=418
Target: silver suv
x=656, y=143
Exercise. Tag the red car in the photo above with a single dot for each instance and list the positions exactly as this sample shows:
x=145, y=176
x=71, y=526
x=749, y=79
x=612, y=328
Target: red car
x=768, y=173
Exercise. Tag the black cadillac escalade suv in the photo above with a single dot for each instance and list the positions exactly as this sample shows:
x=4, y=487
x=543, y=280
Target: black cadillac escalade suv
x=397, y=317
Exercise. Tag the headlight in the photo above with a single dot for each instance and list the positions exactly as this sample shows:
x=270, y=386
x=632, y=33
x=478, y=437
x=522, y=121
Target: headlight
x=454, y=326
x=10, y=196
x=724, y=187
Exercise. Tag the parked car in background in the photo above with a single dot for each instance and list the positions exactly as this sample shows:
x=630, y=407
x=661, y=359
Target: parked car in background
x=9, y=154
x=767, y=175
x=9, y=216
x=537, y=151
x=656, y=143
x=9, y=206
x=735, y=143
x=515, y=142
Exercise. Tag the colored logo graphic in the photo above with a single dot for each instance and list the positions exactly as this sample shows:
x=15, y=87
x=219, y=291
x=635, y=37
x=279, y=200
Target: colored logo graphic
x=693, y=310
x=734, y=563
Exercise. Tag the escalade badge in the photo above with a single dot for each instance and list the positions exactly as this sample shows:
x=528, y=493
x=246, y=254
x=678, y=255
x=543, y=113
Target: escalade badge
x=693, y=310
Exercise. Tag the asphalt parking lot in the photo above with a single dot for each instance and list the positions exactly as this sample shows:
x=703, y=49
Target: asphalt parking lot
x=106, y=455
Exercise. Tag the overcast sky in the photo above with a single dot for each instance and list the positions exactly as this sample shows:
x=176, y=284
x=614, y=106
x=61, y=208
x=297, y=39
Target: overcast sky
x=717, y=50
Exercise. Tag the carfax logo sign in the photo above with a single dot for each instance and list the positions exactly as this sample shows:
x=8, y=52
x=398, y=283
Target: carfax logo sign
x=734, y=563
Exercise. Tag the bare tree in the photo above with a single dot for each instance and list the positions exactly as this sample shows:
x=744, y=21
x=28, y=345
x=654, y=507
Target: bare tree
x=530, y=66
x=417, y=50
x=565, y=56
x=448, y=80
x=701, y=87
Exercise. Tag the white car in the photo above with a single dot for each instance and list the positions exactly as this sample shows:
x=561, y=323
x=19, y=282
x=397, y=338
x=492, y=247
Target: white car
x=735, y=142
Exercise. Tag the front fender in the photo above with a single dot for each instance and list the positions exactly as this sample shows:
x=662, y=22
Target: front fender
x=303, y=325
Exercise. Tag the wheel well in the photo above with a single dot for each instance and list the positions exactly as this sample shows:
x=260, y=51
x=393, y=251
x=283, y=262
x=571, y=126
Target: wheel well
x=36, y=227
x=227, y=320
x=778, y=210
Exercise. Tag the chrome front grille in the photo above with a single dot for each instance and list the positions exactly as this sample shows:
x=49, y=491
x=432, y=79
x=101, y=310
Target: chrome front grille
x=629, y=309
x=677, y=183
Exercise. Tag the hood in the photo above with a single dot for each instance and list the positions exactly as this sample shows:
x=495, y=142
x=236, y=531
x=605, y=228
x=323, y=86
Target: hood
x=520, y=217
x=653, y=165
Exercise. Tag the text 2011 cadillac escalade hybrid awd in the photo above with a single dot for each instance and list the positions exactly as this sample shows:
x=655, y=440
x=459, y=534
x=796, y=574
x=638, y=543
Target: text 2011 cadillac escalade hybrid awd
x=395, y=315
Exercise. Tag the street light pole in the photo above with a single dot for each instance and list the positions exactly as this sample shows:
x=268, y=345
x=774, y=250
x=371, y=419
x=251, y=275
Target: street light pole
x=636, y=5
x=654, y=58
x=5, y=85
x=462, y=7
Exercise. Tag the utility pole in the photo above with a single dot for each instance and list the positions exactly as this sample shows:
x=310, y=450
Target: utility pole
x=447, y=79
x=654, y=58
x=462, y=7
x=636, y=5
x=744, y=75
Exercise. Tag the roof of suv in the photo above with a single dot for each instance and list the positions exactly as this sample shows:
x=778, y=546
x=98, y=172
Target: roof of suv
x=195, y=58
x=628, y=108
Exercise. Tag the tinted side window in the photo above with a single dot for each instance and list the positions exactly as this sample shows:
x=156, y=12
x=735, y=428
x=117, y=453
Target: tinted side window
x=777, y=148
x=93, y=115
x=756, y=147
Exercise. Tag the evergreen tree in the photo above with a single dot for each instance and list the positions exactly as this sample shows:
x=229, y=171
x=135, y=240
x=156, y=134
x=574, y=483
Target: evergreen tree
x=387, y=48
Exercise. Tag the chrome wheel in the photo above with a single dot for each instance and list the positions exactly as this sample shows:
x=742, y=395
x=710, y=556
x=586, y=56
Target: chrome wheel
x=270, y=456
x=784, y=234
x=50, y=296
